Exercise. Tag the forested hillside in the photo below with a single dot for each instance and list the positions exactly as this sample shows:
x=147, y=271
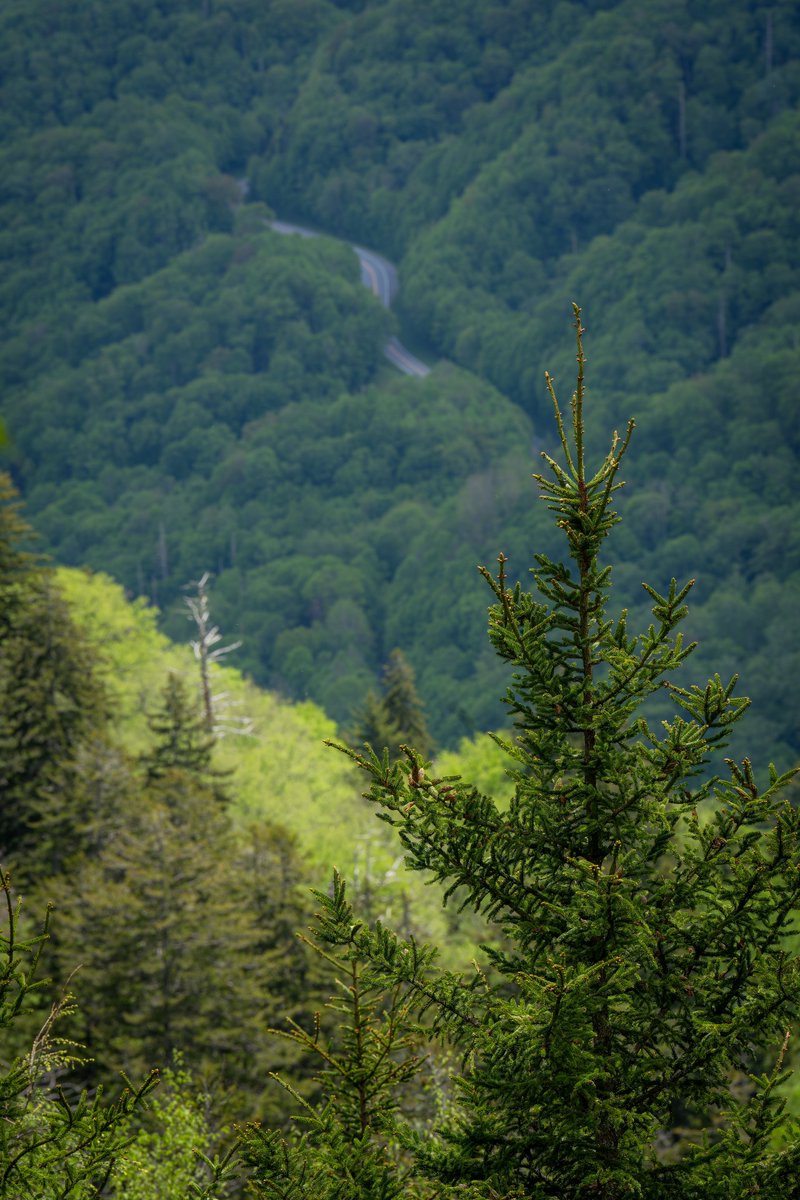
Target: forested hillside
x=186, y=391
x=177, y=846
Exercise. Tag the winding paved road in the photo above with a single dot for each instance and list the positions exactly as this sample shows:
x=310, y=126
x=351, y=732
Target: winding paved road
x=380, y=276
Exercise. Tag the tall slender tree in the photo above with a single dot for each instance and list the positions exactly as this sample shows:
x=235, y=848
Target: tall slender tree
x=344, y=1153
x=217, y=708
x=629, y=1039
x=403, y=705
x=181, y=741
x=395, y=717
x=52, y=705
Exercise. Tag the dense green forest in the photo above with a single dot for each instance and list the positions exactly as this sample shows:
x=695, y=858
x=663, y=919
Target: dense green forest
x=176, y=845
x=186, y=391
x=633, y=913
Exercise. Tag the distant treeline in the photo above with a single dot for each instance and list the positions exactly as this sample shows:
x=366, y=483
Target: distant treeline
x=184, y=391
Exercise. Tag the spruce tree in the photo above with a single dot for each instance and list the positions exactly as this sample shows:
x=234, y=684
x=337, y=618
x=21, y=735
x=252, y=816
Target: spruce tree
x=182, y=741
x=395, y=717
x=346, y=1150
x=629, y=1037
x=372, y=726
x=52, y=1144
x=172, y=961
x=403, y=705
x=52, y=706
x=178, y=920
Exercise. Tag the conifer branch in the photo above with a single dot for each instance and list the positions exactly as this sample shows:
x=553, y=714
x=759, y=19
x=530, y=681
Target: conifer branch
x=645, y=902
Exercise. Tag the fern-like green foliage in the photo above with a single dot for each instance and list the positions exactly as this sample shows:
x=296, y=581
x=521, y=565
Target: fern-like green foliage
x=166, y=1157
x=630, y=1034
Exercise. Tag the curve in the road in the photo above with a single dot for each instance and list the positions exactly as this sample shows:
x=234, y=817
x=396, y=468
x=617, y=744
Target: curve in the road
x=380, y=276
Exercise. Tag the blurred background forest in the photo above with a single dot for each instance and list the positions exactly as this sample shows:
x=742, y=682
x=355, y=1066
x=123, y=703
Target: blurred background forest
x=186, y=391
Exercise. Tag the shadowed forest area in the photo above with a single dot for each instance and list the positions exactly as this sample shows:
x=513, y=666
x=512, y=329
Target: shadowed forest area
x=185, y=391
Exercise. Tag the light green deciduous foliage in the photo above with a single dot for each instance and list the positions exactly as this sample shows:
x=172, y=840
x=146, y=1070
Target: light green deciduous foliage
x=52, y=1145
x=628, y=1039
x=279, y=772
x=167, y=1158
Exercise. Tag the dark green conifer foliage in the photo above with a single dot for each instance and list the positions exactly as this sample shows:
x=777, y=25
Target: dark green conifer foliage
x=403, y=705
x=269, y=870
x=270, y=879
x=16, y=562
x=51, y=703
x=395, y=717
x=51, y=1146
x=649, y=983
x=372, y=726
x=181, y=740
x=345, y=1152
x=174, y=954
x=180, y=921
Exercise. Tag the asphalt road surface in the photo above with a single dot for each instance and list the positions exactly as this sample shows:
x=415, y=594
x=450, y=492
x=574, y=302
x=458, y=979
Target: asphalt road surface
x=380, y=276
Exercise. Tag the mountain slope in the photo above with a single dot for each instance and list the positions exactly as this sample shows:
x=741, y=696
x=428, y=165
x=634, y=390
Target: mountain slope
x=183, y=393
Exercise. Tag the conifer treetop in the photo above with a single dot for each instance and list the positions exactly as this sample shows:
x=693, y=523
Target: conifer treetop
x=628, y=1037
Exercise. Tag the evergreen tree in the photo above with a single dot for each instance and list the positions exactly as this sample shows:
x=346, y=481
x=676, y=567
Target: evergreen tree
x=347, y=1151
x=629, y=1038
x=184, y=925
x=16, y=562
x=269, y=870
x=173, y=962
x=396, y=717
x=403, y=705
x=182, y=740
x=52, y=706
x=51, y=1146
x=372, y=727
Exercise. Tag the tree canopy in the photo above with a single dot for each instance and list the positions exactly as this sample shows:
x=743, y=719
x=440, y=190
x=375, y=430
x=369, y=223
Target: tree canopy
x=185, y=391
